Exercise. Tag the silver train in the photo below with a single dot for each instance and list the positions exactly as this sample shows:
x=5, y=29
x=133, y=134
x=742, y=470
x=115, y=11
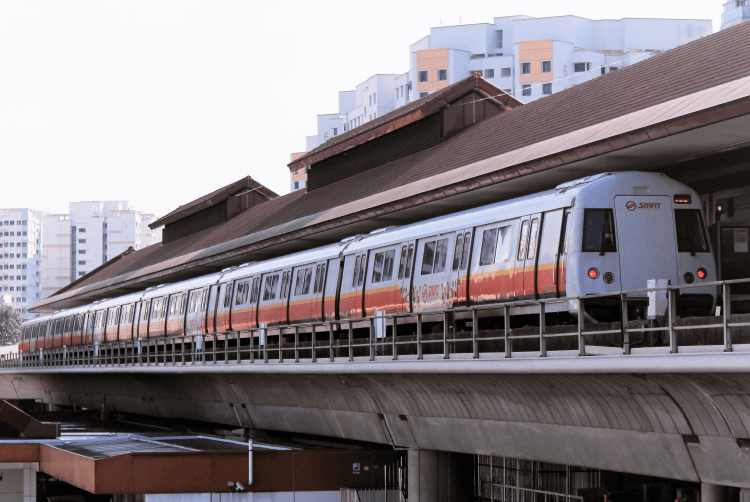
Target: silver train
x=601, y=234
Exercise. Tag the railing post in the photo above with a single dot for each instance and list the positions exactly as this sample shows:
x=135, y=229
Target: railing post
x=419, y=336
x=296, y=344
x=395, y=335
x=672, y=308
x=314, y=357
x=265, y=344
x=542, y=325
x=330, y=341
x=372, y=339
x=581, y=340
x=351, y=337
x=727, y=308
x=182, y=351
x=215, y=337
x=252, y=346
x=506, y=331
x=625, y=334
x=239, y=351
x=445, y=336
x=475, y=333
x=281, y=343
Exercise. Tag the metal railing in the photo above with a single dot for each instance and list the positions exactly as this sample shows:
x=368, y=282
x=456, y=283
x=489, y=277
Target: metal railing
x=509, y=493
x=372, y=495
x=449, y=334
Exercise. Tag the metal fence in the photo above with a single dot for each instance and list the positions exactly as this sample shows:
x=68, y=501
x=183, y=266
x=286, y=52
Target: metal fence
x=404, y=337
x=372, y=495
x=509, y=493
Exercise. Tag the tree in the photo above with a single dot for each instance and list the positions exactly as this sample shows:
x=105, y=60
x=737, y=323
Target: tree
x=10, y=324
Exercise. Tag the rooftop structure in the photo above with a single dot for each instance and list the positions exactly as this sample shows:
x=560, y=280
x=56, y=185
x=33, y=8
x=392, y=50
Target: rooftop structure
x=735, y=12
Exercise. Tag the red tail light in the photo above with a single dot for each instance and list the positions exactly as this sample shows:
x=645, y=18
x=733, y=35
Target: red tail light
x=593, y=273
x=702, y=274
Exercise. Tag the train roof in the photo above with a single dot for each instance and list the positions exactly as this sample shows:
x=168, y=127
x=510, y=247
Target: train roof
x=292, y=260
x=37, y=320
x=195, y=283
x=119, y=300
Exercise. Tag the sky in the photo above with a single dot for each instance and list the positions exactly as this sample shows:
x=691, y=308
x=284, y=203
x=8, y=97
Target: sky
x=159, y=102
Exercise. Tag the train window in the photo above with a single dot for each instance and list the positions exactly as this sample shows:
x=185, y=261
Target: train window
x=377, y=267
x=362, y=268
x=441, y=256
x=77, y=326
x=317, y=279
x=242, y=293
x=356, y=270
x=285, y=282
x=272, y=282
x=321, y=284
x=502, y=254
x=457, y=251
x=566, y=225
x=599, y=231
x=204, y=302
x=428, y=257
x=145, y=309
x=409, y=261
x=467, y=249
x=489, y=242
x=402, y=263
x=256, y=290
x=390, y=257
x=534, y=239
x=523, y=240
x=227, y=295
x=302, y=278
x=691, y=238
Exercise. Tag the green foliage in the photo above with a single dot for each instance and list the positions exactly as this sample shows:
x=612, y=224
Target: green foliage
x=10, y=324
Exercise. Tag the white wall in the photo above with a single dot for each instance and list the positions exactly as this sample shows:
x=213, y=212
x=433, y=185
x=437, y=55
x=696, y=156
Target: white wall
x=19, y=482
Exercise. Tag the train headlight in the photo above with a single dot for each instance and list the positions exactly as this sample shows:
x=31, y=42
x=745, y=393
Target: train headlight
x=688, y=277
x=593, y=273
x=702, y=273
x=608, y=277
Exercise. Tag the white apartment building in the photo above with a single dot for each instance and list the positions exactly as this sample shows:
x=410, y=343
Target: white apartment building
x=735, y=12
x=92, y=233
x=20, y=257
x=525, y=56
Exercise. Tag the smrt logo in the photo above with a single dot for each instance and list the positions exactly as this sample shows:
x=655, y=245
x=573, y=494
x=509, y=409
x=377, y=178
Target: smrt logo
x=632, y=206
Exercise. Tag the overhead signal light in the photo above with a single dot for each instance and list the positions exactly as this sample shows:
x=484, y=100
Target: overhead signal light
x=683, y=199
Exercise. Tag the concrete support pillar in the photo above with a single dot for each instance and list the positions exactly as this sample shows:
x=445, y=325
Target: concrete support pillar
x=436, y=476
x=713, y=493
x=745, y=495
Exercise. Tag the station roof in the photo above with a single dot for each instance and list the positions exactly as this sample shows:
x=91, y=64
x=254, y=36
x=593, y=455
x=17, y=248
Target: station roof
x=683, y=104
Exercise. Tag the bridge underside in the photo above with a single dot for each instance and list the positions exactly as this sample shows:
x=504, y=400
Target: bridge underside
x=694, y=427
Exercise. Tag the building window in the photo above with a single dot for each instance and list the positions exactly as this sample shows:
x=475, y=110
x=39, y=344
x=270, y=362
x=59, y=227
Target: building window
x=604, y=70
x=335, y=131
x=546, y=66
x=480, y=72
x=370, y=99
x=581, y=67
x=83, y=230
x=423, y=94
x=498, y=39
x=82, y=262
x=423, y=76
x=526, y=89
x=81, y=251
x=489, y=73
x=546, y=89
x=81, y=241
x=612, y=68
x=296, y=185
x=374, y=98
x=81, y=274
x=525, y=68
x=442, y=75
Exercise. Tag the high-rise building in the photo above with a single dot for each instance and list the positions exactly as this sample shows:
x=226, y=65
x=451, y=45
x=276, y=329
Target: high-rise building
x=20, y=257
x=527, y=57
x=91, y=234
x=735, y=12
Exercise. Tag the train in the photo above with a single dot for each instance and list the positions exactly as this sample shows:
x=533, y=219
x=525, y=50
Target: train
x=606, y=233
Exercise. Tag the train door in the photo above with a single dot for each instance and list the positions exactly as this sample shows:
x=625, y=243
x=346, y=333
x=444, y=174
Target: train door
x=243, y=304
x=271, y=310
x=433, y=272
x=68, y=331
x=646, y=235
x=405, y=273
x=359, y=272
x=549, y=254
x=302, y=301
x=210, y=310
x=75, y=338
x=143, y=319
x=224, y=307
x=459, y=280
x=525, y=269
x=319, y=290
x=330, y=287
x=383, y=293
x=564, y=249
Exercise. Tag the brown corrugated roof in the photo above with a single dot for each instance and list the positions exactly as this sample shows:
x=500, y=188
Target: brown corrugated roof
x=212, y=199
x=700, y=65
x=403, y=116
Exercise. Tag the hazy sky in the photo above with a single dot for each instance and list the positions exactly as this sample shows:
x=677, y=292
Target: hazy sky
x=159, y=102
